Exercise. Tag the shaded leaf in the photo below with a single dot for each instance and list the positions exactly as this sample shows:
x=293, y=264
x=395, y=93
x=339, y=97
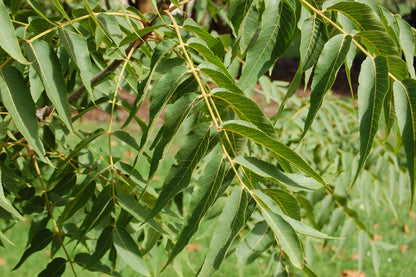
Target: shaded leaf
x=138, y=211
x=104, y=243
x=127, y=138
x=54, y=269
x=82, y=258
x=248, y=27
x=81, y=196
x=39, y=241
x=102, y=207
x=176, y=113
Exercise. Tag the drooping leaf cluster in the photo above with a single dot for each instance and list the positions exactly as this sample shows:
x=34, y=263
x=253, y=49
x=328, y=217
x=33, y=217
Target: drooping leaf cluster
x=178, y=95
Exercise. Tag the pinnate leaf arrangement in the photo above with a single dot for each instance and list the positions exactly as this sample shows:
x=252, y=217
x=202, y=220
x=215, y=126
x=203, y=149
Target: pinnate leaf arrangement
x=203, y=152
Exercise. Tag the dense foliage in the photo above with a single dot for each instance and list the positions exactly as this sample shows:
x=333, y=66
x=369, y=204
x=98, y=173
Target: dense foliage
x=267, y=187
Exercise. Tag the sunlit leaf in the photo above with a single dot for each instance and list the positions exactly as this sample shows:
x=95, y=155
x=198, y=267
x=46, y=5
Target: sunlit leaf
x=363, y=17
x=193, y=149
x=129, y=251
x=18, y=101
x=256, y=135
x=77, y=48
x=8, y=39
x=229, y=224
x=209, y=186
x=286, y=237
x=292, y=181
x=255, y=243
x=331, y=59
x=46, y=64
x=277, y=25
x=374, y=84
x=246, y=109
x=405, y=106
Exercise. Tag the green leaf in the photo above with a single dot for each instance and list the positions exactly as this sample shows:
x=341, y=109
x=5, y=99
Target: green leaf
x=193, y=149
x=277, y=25
x=5, y=203
x=8, y=39
x=77, y=48
x=229, y=224
x=312, y=41
x=218, y=77
x=377, y=42
x=316, y=3
x=129, y=251
x=39, y=241
x=81, y=195
x=250, y=131
x=246, y=109
x=248, y=27
x=162, y=91
x=363, y=17
x=82, y=258
x=54, y=269
x=270, y=203
x=287, y=202
x=127, y=138
x=209, y=185
x=110, y=26
x=238, y=12
x=255, y=243
x=102, y=207
x=87, y=139
x=46, y=64
x=138, y=211
x=18, y=101
x=286, y=237
x=214, y=44
x=397, y=67
x=292, y=181
x=373, y=86
x=208, y=55
x=293, y=87
x=176, y=113
x=408, y=44
x=331, y=59
x=405, y=106
x=159, y=53
x=104, y=243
